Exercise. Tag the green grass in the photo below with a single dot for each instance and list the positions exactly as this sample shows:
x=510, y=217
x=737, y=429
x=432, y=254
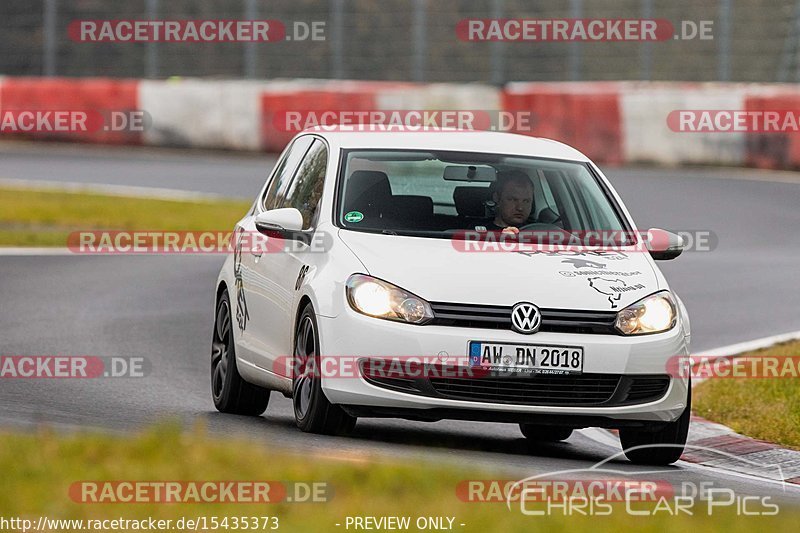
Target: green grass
x=762, y=408
x=46, y=218
x=38, y=469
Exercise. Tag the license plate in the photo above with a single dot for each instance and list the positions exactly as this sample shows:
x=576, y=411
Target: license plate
x=526, y=358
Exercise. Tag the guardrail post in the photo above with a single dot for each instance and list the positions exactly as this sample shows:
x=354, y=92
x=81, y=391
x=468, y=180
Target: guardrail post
x=50, y=42
x=151, y=48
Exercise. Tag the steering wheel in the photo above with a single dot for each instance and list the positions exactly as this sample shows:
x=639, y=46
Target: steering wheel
x=541, y=226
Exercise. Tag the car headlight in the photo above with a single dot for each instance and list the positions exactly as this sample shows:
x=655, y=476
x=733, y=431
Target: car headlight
x=379, y=299
x=653, y=314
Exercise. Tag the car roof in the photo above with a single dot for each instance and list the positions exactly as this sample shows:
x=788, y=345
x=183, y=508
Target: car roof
x=449, y=139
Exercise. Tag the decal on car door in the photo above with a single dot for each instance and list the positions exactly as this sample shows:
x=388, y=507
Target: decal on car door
x=242, y=315
x=300, y=277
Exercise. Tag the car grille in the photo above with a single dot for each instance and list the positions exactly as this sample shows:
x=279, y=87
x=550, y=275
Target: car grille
x=585, y=390
x=499, y=317
x=536, y=390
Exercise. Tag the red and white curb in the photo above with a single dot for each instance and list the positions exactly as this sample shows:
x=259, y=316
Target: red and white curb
x=718, y=446
x=714, y=445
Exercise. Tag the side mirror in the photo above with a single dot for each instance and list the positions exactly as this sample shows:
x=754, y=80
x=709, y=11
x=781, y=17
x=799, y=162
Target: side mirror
x=664, y=245
x=284, y=221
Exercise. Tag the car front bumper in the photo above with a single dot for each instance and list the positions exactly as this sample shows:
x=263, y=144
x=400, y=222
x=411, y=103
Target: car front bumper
x=354, y=336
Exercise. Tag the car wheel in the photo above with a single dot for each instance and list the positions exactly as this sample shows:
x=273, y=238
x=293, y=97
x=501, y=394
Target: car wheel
x=661, y=446
x=545, y=433
x=313, y=412
x=231, y=393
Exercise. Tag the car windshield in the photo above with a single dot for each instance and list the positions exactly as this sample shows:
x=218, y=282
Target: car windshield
x=436, y=194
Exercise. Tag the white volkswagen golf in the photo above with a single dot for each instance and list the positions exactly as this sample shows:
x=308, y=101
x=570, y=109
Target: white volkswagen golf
x=451, y=275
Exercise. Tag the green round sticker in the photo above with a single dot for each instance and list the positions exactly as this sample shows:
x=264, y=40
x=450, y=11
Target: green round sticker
x=354, y=216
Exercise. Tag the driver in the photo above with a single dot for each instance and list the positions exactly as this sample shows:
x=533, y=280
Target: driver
x=513, y=196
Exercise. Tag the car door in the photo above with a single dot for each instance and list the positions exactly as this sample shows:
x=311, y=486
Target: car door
x=253, y=284
x=278, y=273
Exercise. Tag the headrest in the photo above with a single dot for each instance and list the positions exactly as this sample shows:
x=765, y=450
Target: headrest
x=366, y=188
x=412, y=205
x=470, y=200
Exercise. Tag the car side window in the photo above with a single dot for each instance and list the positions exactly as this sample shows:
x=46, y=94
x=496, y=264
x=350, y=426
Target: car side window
x=305, y=190
x=276, y=192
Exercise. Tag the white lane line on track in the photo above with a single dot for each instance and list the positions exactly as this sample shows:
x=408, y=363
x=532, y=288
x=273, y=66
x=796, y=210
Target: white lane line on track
x=732, y=350
x=602, y=436
x=152, y=193
x=747, y=346
x=15, y=251
x=36, y=252
x=717, y=172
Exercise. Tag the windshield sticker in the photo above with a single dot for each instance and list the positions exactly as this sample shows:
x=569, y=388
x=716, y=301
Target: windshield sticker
x=583, y=263
x=611, y=255
x=572, y=273
x=613, y=288
x=354, y=216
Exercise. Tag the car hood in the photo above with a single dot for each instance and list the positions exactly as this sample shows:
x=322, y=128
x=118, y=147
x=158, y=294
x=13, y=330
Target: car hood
x=436, y=270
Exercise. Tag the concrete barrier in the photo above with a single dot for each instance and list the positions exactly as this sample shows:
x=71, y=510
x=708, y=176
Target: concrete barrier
x=310, y=106
x=648, y=139
x=284, y=113
x=203, y=113
x=773, y=150
x=96, y=99
x=583, y=115
x=612, y=122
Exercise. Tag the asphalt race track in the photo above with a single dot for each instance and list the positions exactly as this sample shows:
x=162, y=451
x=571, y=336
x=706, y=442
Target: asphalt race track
x=161, y=308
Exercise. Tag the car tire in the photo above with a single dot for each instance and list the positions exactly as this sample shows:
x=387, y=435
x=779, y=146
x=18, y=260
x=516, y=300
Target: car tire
x=536, y=432
x=231, y=393
x=671, y=438
x=313, y=412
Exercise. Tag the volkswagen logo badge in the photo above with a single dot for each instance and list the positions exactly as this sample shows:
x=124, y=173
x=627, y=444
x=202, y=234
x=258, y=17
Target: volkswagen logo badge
x=525, y=318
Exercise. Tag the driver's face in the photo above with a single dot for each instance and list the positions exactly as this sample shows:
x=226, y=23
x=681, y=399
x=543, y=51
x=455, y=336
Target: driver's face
x=514, y=204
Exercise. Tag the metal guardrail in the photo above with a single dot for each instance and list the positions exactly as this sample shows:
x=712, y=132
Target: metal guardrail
x=756, y=40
